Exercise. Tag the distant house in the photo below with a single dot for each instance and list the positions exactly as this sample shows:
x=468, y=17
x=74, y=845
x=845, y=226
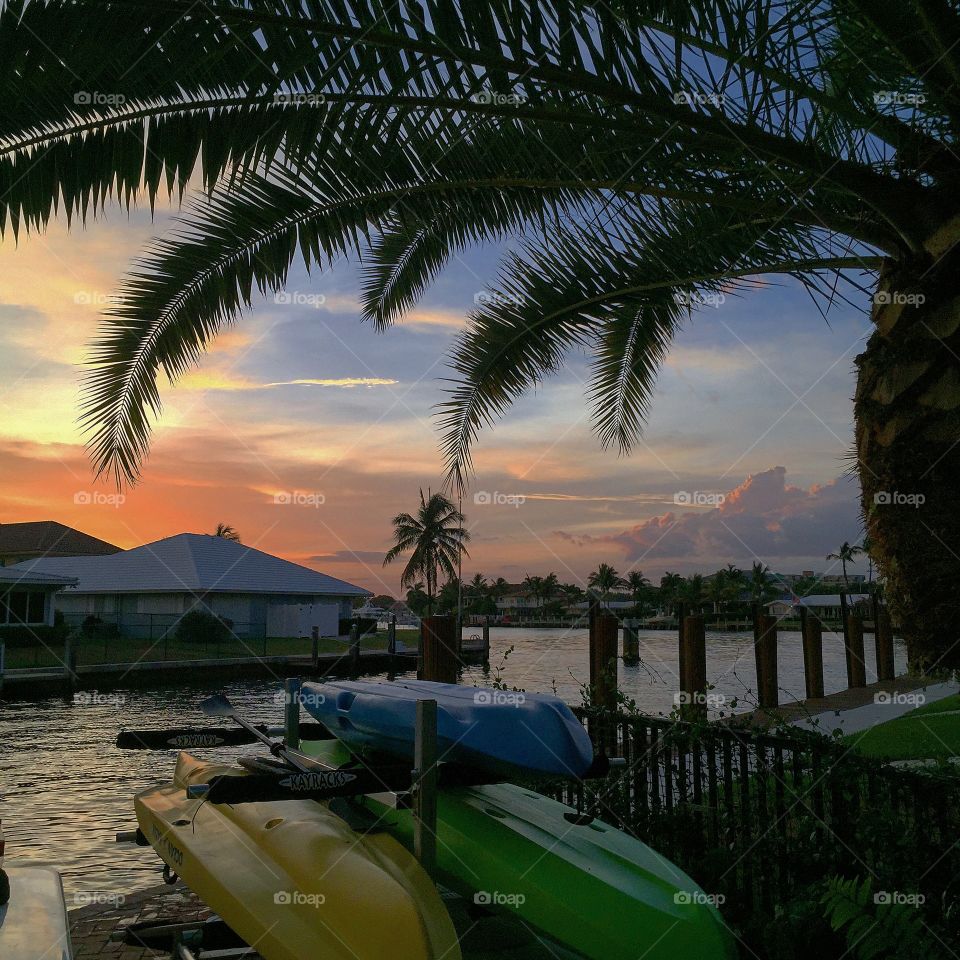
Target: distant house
x=47, y=538
x=26, y=597
x=825, y=606
x=145, y=591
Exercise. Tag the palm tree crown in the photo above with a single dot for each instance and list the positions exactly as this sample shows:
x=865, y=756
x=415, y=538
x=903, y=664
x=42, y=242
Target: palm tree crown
x=227, y=532
x=847, y=553
x=434, y=537
x=604, y=580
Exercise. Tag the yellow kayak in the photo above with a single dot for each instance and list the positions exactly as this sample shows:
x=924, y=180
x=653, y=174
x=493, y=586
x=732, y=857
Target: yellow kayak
x=293, y=879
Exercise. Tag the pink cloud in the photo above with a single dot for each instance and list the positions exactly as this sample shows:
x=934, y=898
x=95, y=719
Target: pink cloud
x=764, y=517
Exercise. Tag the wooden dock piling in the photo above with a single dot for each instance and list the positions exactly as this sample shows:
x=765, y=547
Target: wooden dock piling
x=438, y=649
x=766, y=658
x=631, y=642
x=291, y=712
x=392, y=636
x=425, y=783
x=883, y=641
x=355, y=649
x=693, y=683
x=811, y=631
x=853, y=645
x=315, y=648
x=486, y=643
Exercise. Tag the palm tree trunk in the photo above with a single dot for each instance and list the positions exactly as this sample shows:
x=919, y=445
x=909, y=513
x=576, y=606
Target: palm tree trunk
x=907, y=413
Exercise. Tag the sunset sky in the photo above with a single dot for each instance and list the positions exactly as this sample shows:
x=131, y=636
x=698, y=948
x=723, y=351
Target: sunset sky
x=301, y=398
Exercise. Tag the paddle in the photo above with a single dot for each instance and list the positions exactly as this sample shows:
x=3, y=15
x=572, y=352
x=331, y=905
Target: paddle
x=192, y=737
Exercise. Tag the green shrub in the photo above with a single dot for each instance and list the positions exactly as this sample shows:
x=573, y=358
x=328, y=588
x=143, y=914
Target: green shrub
x=201, y=626
x=19, y=635
x=93, y=628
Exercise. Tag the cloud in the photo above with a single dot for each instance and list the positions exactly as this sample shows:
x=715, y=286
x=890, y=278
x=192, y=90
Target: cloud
x=216, y=380
x=349, y=556
x=764, y=517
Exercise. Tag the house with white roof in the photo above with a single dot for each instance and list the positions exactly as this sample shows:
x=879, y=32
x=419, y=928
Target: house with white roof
x=145, y=591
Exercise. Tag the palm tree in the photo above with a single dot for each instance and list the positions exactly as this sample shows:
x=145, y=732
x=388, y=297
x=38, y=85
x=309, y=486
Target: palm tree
x=865, y=549
x=604, y=580
x=671, y=588
x=434, y=537
x=227, y=532
x=499, y=588
x=534, y=587
x=817, y=142
x=761, y=583
x=846, y=554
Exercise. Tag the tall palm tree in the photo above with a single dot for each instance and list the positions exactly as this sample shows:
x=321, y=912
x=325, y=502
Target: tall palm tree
x=761, y=583
x=651, y=159
x=865, y=549
x=671, y=588
x=847, y=553
x=604, y=580
x=227, y=532
x=434, y=537
x=534, y=587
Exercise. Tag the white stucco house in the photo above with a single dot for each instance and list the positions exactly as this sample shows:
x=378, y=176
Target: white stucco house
x=27, y=597
x=146, y=590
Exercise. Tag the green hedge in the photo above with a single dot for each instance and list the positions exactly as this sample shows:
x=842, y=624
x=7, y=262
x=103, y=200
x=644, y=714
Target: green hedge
x=19, y=635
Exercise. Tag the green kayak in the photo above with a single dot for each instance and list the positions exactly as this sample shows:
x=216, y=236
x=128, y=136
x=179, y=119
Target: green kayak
x=590, y=887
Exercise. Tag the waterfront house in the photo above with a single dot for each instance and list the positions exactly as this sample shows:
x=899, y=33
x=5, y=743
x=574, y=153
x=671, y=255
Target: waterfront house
x=145, y=591
x=47, y=538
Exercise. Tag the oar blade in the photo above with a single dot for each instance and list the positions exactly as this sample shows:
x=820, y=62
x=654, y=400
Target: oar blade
x=218, y=706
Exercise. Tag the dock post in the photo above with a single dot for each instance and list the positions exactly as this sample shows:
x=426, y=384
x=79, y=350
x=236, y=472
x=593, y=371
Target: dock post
x=631, y=642
x=438, y=649
x=291, y=712
x=811, y=631
x=315, y=649
x=681, y=652
x=844, y=613
x=69, y=667
x=355, y=649
x=604, y=633
x=766, y=655
x=693, y=684
x=486, y=643
x=392, y=636
x=424, y=788
x=883, y=639
x=856, y=668
x=3, y=663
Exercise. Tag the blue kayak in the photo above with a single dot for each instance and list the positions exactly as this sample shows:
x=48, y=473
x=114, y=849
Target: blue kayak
x=495, y=730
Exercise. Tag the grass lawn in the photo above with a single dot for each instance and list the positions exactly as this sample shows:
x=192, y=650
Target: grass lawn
x=129, y=650
x=929, y=732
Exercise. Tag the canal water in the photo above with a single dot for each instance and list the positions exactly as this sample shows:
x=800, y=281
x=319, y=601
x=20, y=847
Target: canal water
x=65, y=790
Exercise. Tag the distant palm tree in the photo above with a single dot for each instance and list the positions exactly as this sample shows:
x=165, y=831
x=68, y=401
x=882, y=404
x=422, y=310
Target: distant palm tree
x=499, y=588
x=846, y=554
x=227, y=532
x=604, y=580
x=865, y=548
x=534, y=587
x=671, y=587
x=434, y=537
x=761, y=583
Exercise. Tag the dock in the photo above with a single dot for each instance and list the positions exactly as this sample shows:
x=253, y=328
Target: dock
x=35, y=682
x=839, y=702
